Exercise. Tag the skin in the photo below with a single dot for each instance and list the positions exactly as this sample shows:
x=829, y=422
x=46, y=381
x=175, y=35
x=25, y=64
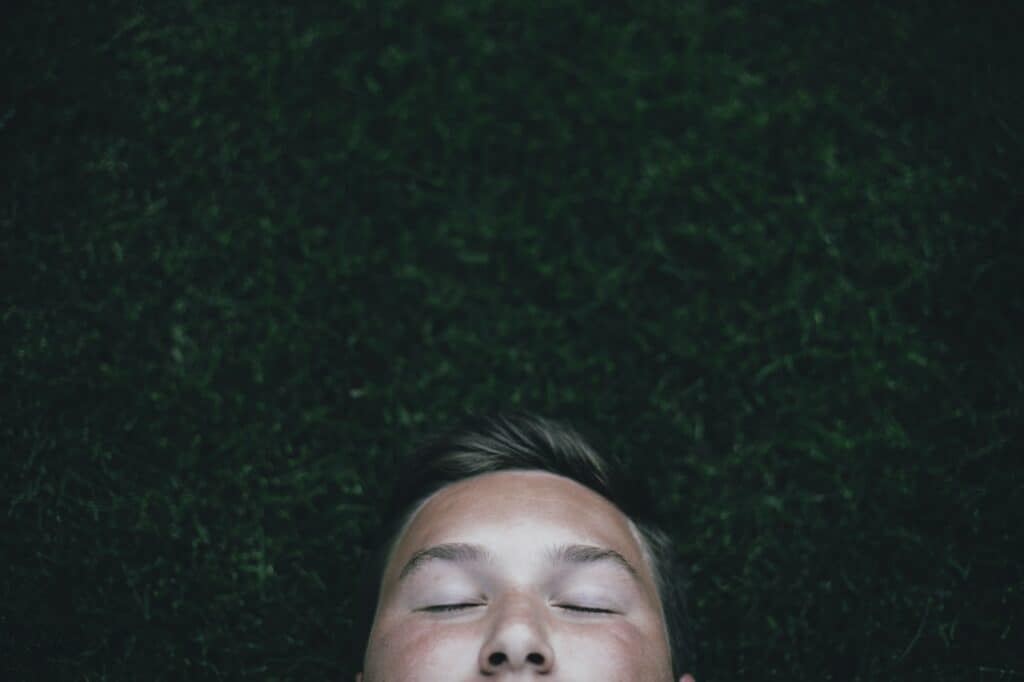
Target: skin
x=518, y=575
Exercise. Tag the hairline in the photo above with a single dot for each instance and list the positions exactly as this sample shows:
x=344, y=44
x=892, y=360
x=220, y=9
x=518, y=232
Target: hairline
x=646, y=552
x=415, y=508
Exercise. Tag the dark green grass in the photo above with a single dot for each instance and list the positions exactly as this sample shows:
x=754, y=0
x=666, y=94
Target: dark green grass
x=772, y=255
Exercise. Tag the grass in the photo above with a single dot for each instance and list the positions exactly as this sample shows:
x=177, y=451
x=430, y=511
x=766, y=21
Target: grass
x=252, y=252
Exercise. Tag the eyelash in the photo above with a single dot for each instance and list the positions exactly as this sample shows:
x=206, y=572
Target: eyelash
x=448, y=608
x=454, y=608
x=582, y=609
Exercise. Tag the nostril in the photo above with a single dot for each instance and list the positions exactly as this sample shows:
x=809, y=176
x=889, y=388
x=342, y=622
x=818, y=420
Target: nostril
x=535, y=659
x=497, y=658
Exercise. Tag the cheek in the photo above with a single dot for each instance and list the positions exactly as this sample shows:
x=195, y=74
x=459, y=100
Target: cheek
x=421, y=652
x=617, y=653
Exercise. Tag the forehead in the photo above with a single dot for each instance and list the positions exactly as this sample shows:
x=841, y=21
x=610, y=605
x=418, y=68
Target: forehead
x=512, y=513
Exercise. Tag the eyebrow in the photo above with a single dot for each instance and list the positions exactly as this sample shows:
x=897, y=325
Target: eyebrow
x=463, y=553
x=455, y=552
x=591, y=554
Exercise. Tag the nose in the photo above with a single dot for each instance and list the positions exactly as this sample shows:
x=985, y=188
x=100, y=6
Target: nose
x=518, y=640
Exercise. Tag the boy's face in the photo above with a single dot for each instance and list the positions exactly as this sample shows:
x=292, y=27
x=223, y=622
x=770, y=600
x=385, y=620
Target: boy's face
x=518, y=575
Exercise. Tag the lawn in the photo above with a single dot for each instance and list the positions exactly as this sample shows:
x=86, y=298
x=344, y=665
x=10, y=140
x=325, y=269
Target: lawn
x=768, y=254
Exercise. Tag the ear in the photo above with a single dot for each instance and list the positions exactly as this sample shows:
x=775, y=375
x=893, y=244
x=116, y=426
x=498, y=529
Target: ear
x=684, y=678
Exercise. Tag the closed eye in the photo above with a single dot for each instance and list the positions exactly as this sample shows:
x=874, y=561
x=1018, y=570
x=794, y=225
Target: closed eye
x=583, y=609
x=449, y=608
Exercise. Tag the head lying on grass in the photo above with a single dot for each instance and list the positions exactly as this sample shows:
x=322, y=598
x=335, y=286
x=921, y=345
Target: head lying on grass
x=517, y=552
